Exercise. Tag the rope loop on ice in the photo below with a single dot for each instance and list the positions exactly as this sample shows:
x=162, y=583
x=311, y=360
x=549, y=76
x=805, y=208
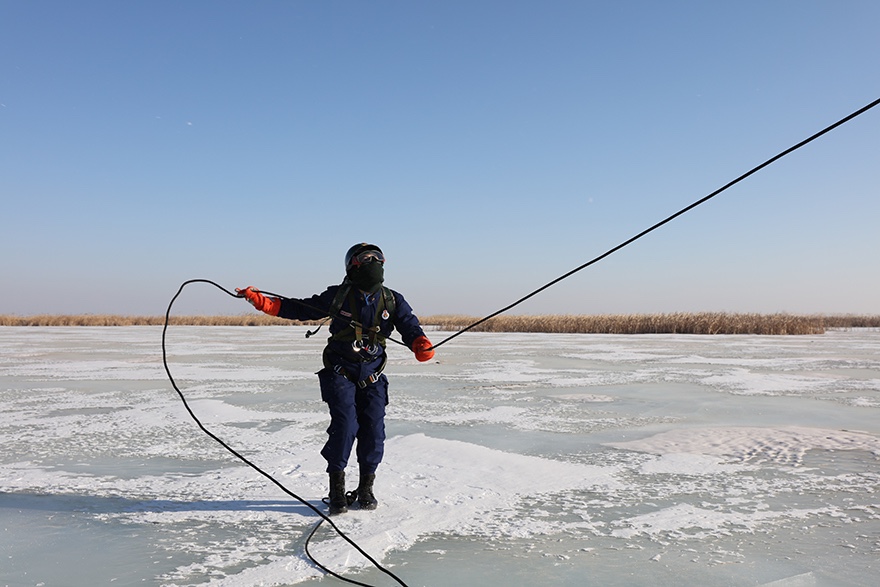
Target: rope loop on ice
x=242, y=458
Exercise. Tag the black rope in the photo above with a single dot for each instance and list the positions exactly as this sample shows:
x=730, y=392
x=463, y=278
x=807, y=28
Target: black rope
x=607, y=253
x=323, y=516
x=666, y=220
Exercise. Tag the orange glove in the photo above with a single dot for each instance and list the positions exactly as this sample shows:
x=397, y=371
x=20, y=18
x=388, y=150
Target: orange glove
x=422, y=348
x=262, y=303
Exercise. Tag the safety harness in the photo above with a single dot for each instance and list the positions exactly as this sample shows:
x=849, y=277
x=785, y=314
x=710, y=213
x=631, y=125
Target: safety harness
x=367, y=342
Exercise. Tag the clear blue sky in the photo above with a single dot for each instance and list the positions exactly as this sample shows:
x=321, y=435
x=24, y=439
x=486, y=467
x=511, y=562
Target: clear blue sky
x=487, y=146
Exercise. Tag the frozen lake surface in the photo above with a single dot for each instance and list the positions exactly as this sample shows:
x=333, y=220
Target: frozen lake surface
x=513, y=459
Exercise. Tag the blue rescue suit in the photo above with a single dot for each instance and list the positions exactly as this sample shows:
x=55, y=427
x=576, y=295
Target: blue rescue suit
x=356, y=400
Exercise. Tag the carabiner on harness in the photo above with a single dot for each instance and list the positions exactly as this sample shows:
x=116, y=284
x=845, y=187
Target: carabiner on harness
x=370, y=349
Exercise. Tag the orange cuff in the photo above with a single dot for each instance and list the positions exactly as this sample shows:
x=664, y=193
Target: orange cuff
x=270, y=306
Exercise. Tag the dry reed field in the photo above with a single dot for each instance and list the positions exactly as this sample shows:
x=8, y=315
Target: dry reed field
x=673, y=323
x=115, y=320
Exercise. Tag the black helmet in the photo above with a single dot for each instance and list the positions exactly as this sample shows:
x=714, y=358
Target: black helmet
x=355, y=255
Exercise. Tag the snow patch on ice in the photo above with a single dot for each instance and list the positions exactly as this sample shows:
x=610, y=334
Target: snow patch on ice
x=583, y=397
x=786, y=445
x=694, y=522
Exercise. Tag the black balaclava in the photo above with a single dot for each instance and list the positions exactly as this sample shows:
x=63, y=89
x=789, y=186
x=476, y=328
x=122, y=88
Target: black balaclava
x=367, y=277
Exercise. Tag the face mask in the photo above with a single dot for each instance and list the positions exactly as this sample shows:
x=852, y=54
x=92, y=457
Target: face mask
x=367, y=277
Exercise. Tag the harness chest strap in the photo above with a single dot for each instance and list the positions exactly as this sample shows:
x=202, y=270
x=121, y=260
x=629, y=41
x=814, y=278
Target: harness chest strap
x=355, y=330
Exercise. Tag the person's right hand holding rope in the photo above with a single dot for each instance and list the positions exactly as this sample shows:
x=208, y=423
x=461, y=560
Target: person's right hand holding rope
x=262, y=303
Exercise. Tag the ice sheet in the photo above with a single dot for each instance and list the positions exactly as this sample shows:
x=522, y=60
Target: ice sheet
x=512, y=459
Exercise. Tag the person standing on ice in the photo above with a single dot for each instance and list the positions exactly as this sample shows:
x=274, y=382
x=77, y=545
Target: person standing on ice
x=363, y=314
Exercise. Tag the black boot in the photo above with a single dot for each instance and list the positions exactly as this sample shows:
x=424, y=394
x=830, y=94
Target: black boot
x=338, y=502
x=365, y=498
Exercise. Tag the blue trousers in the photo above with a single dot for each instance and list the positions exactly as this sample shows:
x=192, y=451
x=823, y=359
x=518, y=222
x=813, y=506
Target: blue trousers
x=355, y=414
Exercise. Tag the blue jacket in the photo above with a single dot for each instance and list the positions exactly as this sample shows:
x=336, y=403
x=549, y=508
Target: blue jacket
x=340, y=352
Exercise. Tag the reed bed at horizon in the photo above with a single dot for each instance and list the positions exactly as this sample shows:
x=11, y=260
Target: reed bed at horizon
x=671, y=323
